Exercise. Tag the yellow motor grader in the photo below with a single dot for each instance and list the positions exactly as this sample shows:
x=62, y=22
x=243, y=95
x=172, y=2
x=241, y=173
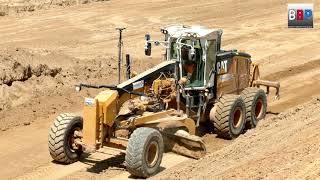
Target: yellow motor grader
x=161, y=108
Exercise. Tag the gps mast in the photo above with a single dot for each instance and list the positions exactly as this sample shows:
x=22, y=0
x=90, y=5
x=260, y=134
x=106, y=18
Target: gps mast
x=120, y=45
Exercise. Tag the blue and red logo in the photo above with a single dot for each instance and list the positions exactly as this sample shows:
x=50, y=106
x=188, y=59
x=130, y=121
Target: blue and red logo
x=300, y=15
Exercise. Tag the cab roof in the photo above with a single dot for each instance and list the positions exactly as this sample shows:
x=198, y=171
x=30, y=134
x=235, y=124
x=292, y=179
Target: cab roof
x=177, y=31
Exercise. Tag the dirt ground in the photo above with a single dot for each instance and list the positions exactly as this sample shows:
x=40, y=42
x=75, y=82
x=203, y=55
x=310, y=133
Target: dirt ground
x=285, y=146
x=45, y=52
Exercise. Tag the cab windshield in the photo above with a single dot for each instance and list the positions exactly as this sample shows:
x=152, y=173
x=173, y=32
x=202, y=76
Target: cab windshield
x=192, y=64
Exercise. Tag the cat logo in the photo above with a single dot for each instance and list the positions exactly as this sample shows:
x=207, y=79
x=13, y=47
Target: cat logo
x=222, y=67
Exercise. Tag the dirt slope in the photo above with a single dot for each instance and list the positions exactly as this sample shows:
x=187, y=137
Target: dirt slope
x=43, y=54
x=30, y=78
x=281, y=147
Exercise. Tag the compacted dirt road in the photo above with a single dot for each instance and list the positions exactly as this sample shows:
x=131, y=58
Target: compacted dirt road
x=44, y=53
x=282, y=147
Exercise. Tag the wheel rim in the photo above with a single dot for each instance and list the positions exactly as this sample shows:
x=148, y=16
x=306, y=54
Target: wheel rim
x=237, y=117
x=71, y=140
x=152, y=154
x=258, y=108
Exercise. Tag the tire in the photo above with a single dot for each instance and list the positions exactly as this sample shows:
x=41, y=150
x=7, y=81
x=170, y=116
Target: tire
x=60, y=134
x=256, y=105
x=228, y=116
x=144, y=152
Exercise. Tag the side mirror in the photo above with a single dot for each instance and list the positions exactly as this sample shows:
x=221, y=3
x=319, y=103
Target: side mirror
x=147, y=47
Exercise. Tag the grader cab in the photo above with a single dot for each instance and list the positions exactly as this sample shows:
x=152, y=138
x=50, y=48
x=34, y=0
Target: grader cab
x=161, y=108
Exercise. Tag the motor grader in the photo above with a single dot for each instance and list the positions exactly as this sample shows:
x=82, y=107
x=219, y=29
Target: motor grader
x=162, y=108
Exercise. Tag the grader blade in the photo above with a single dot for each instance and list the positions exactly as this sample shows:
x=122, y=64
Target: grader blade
x=181, y=142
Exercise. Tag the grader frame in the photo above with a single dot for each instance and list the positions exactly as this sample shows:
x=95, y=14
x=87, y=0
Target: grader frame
x=166, y=103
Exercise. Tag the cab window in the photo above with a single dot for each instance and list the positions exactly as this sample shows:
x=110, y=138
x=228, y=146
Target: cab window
x=193, y=67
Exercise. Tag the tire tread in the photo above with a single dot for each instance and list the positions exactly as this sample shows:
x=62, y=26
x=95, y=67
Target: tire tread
x=135, y=149
x=56, y=138
x=221, y=116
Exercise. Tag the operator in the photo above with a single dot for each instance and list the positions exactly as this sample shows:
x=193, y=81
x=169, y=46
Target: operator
x=189, y=65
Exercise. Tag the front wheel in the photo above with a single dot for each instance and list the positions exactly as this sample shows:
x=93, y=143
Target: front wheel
x=61, y=140
x=144, y=152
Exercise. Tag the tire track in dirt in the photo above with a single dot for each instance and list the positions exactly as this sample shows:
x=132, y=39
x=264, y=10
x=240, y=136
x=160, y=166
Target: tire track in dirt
x=298, y=85
x=294, y=70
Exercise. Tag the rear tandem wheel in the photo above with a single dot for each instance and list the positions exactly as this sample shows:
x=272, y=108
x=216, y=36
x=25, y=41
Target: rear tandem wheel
x=256, y=105
x=228, y=116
